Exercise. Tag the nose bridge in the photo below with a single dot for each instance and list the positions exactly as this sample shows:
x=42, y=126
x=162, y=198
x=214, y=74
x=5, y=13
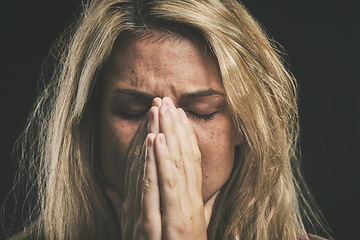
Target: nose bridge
x=167, y=88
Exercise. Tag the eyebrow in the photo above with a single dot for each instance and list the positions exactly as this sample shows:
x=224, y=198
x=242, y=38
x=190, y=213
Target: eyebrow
x=197, y=94
x=203, y=93
x=135, y=93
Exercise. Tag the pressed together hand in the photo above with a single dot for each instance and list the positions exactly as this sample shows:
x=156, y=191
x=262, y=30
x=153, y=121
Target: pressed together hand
x=163, y=182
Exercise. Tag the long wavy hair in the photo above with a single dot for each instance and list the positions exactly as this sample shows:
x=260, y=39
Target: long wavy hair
x=265, y=196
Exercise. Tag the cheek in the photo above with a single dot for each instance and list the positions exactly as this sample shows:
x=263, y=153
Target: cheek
x=217, y=148
x=115, y=139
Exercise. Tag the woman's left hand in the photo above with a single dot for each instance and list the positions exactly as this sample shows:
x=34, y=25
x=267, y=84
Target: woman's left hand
x=173, y=172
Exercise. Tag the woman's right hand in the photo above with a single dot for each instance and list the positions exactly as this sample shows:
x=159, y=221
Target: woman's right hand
x=129, y=206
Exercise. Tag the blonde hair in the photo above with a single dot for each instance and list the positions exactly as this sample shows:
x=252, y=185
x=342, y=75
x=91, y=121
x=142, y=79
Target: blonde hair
x=264, y=198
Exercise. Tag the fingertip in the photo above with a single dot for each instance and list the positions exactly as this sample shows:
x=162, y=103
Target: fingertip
x=161, y=138
x=156, y=102
x=168, y=101
x=151, y=135
x=165, y=100
x=152, y=111
x=150, y=139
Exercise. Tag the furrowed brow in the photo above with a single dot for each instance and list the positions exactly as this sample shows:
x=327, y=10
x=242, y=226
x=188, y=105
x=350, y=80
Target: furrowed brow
x=203, y=93
x=135, y=93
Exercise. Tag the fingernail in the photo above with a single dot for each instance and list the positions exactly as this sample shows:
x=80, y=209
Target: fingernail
x=156, y=102
x=162, y=138
x=169, y=102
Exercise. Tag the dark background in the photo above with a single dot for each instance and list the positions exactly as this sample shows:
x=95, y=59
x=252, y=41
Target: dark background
x=321, y=39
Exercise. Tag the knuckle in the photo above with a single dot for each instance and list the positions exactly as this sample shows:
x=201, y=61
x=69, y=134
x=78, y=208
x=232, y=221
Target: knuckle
x=147, y=184
x=179, y=163
x=170, y=183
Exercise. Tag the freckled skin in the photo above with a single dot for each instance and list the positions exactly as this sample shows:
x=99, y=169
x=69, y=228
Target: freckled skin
x=165, y=68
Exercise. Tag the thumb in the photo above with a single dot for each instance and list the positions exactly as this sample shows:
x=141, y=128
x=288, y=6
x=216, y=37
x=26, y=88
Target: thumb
x=208, y=207
x=116, y=199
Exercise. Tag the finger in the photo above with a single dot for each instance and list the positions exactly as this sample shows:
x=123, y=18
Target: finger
x=208, y=207
x=154, y=120
x=170, y=123
x=151, y=215
x=168, y=184
x=166, y=127
x=191, y=154
x=116, y=199
x=150, y=188
x=189, y=128
x=156, y=102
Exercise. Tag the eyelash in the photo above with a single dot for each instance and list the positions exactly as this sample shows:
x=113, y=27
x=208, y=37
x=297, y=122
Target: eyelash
x=200, y=117
x=193, y=115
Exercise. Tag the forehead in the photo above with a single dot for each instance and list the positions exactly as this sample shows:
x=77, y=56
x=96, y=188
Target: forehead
x=162, y=67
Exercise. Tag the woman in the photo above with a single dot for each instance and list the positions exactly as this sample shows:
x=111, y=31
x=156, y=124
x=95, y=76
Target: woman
x=167, y=120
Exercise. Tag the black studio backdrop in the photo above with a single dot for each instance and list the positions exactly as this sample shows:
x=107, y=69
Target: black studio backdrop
x=321, y=39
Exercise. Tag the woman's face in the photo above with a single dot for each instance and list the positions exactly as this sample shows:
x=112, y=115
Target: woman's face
x=140, y=70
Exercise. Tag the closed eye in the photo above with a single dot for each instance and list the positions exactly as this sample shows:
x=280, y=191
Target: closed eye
x=132, y=116
x=200, y=117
